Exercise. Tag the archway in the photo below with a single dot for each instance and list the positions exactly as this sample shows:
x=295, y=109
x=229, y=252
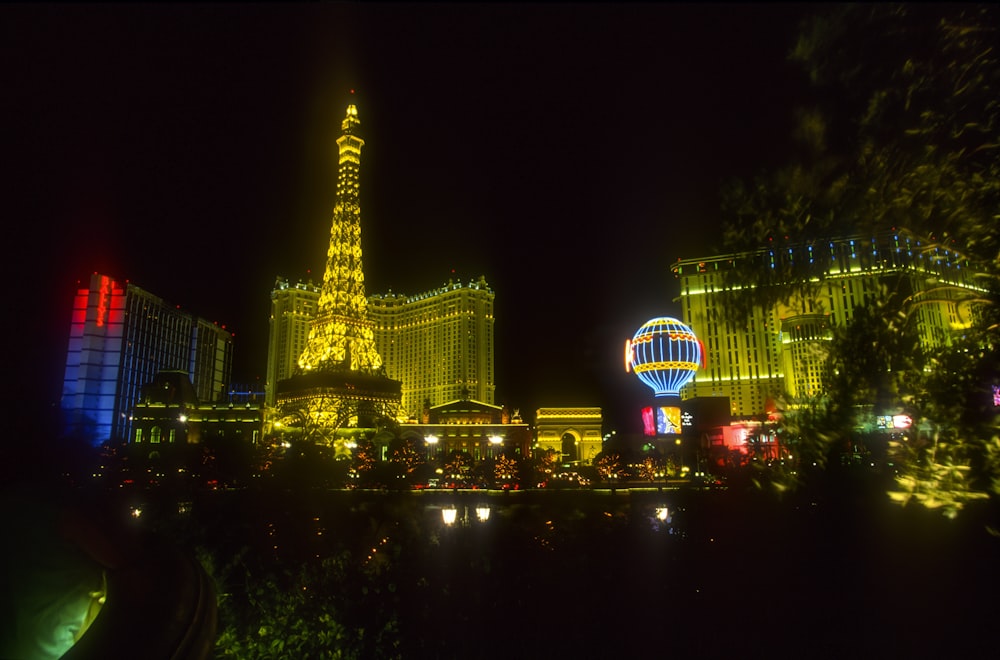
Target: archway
x=569, y=447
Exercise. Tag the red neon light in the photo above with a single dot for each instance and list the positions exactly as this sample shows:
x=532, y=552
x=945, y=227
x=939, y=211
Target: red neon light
x=648, y=422
x=102, y=300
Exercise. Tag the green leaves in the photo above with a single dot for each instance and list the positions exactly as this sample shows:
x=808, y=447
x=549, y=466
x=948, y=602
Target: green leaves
x=902, y=129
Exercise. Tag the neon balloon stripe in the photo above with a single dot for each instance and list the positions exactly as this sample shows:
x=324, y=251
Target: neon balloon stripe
x=665, y=354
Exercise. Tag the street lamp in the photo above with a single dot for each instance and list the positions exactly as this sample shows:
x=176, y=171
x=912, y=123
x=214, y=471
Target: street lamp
x=449, y=515
x=432, y=441
x=496, y=441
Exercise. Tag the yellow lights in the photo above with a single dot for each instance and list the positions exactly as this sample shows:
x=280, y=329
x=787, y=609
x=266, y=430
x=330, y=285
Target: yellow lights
x=662, y=513
x=449, y=515
x=628, y=356
x=673, y=364
x=482, y=513
x=495, y=440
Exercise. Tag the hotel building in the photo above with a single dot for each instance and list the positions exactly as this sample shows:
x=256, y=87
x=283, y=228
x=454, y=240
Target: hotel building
x=293, y=308
x=781, y=350
x=121, y=336
x=438, y=343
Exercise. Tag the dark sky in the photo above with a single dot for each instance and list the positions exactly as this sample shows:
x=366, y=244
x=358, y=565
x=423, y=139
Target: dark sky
x=568, y=153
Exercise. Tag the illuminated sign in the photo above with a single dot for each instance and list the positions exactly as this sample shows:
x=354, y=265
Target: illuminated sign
x=648, y=421
x=687, y=419
x=668, y=420
x=893, y=422
x=664, y=354
x=102, y=300
x=901, y=421
x=662, y=420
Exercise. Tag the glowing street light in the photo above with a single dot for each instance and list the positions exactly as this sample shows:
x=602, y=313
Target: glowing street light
x=495, y=441
x=431, y=442
x=449, y=515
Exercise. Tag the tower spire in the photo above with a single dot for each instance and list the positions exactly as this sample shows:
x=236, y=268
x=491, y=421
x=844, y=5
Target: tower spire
x=341, y=336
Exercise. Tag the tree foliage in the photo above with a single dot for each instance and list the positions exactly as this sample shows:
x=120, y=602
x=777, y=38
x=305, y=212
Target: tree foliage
x=901, y=129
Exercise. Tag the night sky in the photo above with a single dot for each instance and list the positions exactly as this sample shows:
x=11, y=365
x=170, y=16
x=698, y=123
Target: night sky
x=567, y=153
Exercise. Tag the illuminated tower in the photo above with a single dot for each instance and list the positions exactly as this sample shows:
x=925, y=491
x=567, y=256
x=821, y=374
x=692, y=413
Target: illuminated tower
x=664, y=354
x=339, y=382
x=341, y=335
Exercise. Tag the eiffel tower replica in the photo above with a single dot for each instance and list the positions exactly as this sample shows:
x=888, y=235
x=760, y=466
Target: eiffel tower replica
x=340, y=382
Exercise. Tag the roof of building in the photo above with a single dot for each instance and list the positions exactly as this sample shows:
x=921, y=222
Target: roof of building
x=170, y=388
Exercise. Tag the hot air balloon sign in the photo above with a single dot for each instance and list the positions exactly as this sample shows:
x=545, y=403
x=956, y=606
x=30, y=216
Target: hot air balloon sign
x=664, y=354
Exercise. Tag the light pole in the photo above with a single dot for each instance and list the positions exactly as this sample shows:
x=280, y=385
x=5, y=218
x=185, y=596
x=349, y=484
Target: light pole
x=431, y=442
x=495, y=442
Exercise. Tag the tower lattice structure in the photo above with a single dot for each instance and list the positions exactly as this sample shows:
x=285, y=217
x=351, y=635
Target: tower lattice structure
x=341, y=337
x=339, y=382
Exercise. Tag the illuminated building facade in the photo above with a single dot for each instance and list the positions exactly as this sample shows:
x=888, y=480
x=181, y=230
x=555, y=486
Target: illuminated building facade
x=293, y=308
x=574, y=433
x=479, y=429
x=339, y=381
x=439, y=343
x=121, y=336
x=169, y=412
x=781, y=350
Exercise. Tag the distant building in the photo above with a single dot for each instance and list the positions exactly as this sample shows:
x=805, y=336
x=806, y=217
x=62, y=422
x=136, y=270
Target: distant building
x=479, y=429
x=121, y=336
x=438, y=343
x=781, y=350
x=242, y=393
x=169, y=412
x=575, y=434
x=293, y=309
